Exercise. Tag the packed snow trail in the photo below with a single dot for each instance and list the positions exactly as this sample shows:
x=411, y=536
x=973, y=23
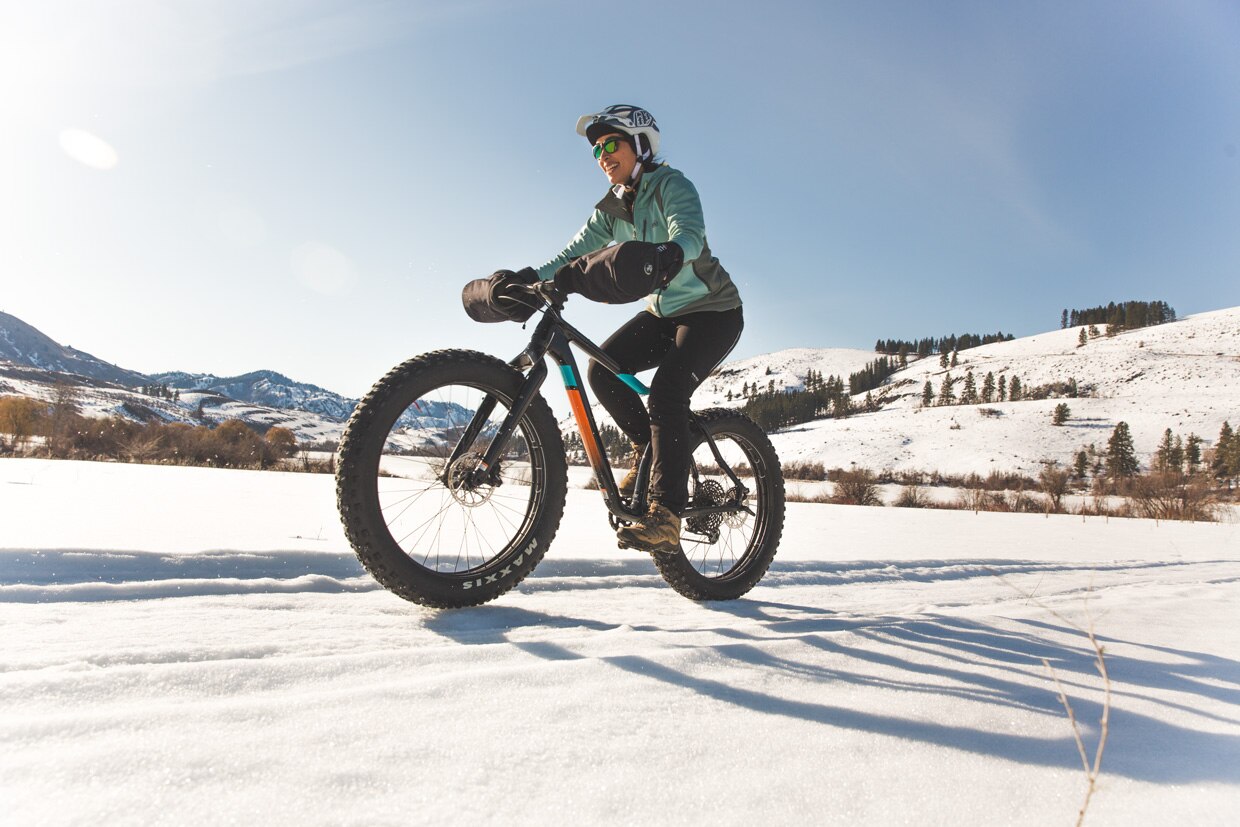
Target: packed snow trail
x=218, y=655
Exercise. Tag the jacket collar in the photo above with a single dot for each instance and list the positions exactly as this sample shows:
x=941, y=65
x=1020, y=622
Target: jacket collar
x=616, y=205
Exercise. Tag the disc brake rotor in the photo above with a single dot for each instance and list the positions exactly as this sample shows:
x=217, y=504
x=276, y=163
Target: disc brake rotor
x=734, y=519
x=458, y=481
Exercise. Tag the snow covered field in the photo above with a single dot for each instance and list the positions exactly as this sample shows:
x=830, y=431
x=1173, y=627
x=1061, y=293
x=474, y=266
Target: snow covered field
x=195, y=646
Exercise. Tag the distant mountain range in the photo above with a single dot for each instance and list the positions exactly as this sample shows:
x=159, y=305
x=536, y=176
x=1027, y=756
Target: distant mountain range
x=24, y=345
x=31, y=362
x=263, y=387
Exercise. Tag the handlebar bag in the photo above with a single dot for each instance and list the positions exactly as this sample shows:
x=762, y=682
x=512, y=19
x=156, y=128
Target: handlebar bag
x=485, y=299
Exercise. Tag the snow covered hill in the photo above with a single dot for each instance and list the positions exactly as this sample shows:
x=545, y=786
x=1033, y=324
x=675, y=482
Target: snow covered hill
x=783, y=370
x=1184, y=375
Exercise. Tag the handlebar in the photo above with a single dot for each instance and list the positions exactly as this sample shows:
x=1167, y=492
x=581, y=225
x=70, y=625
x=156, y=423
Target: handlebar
x=544, y=292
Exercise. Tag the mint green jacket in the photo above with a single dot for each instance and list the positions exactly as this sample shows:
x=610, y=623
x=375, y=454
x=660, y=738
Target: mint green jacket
x=666, y=208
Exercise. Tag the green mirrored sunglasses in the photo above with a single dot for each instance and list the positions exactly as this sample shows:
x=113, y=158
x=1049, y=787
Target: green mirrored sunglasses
x=609, y=146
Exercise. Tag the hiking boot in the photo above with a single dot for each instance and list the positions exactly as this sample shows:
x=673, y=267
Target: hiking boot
x=629, y=482
x=658, y=532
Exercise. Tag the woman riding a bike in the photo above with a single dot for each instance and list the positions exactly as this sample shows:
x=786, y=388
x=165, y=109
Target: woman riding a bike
x=452, y=477
x=650, y=228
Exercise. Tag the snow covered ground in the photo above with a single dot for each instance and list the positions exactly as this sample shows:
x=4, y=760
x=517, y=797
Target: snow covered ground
x=196, y=646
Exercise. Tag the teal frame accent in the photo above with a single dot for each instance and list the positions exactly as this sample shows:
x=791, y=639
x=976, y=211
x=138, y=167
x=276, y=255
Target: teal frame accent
x=570, y=378
x=634, y=383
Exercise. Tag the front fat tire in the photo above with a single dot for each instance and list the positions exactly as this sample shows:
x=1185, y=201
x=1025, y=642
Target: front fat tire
x=357, y=481
x=767, y=499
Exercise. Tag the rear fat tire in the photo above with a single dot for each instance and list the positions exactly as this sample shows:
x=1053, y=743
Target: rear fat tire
x=766, y=498
x=357, y=482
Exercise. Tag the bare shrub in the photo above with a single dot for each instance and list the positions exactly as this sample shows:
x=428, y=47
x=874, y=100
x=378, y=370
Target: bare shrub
x=912, y=478
x=912, y=496
x=143, y=446
x=306, y=464
x=857, y=487
x=1006, y=502
x=1010, y=481
x=281, y=441
x=1025, y=502
x=1173, y=496
x=20, y=419
x=815, y=471
x=1055, y=483
x=820, y=497
x=971, y=499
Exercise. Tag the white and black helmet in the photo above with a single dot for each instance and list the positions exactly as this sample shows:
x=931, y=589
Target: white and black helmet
x=630, y=120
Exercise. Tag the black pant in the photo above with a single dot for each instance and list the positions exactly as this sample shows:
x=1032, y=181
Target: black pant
x=685, y=349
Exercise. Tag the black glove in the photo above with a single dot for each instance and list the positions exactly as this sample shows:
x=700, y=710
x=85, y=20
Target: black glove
x=509, y=289
x=623, y=272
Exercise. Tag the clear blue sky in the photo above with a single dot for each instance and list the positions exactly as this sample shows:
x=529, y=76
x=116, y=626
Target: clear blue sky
x=304, y=185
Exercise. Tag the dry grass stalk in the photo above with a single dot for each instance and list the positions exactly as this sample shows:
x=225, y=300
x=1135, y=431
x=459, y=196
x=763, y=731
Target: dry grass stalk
x=1093, y=770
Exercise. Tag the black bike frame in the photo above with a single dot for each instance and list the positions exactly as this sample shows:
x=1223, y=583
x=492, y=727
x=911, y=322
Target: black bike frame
x=554, y=337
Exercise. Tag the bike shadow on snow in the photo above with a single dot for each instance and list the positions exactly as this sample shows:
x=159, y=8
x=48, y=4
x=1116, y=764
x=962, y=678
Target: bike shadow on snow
x=944, y=658
x=939, y=656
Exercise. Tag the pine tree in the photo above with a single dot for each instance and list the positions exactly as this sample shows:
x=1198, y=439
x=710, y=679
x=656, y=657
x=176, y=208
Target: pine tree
x=1063, y=319
x=1162, y=455
x=1223, y=452
x=946, y=397
x=1176, y=456
x=943, y=359
x=1003, y=390
x=927, y=395
x=988, y=387
x=1014, y=390
x=969, y=395
x=1082, y=340
x=1062, y=412
x=1081, y=467
x=1121, y=456
x=1192, y=453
